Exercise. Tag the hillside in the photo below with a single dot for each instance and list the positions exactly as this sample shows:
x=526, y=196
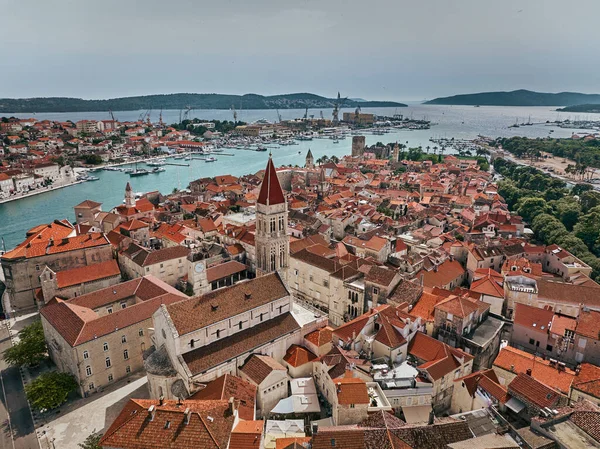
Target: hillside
x=518, y=98
x=595, y=108
x=180, y=101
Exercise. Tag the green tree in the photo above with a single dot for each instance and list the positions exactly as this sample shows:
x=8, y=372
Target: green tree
x=588, y=227
x=588, y=200
x=31, y=348
x=50, y=390
x=528, y=208
x=567, y=211
x=92, y=441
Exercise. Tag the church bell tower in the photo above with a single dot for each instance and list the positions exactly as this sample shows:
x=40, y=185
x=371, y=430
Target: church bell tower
x=271, y=239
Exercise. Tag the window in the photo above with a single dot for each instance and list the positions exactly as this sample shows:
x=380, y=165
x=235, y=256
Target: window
x=109, y=310
x=91, y=386
x=375, y=291
x=295, y=272
x=192, y=343
x=123, y=339
x=310, y=278
x=110, y=377
x=240, y=324
x=161, y=265
x=325, y=283
x=531, y=341
x=37, y=268
x=351, y=405
x=128, y=369
x=88, y=370
x=141, y=332
x=123, y=305
x=108, y=364
x=86, y=355
x=147, y=269
x=105, y=346
x=549, y=348
x=126, y=354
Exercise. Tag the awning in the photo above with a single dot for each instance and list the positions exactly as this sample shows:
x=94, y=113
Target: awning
x=284, y=406
x=416, y=414
x=515, y=405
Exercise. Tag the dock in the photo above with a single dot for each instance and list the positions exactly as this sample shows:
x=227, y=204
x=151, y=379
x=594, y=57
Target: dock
x=176, y=164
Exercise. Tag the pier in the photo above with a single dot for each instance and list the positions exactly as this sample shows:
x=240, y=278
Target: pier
x=176, y=164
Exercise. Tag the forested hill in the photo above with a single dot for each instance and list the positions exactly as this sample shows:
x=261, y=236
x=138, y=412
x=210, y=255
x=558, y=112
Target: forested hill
x=582, y=108
x=518, y=98
x=180, y=101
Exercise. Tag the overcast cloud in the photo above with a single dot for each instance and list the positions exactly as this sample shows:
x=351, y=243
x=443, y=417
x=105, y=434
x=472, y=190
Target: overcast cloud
x=375, y=49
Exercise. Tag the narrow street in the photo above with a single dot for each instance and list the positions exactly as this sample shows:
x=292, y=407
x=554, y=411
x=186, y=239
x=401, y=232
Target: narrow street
x=18, y=431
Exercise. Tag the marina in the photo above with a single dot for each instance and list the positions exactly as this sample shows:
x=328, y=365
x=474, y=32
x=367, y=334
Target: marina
x=460, y=123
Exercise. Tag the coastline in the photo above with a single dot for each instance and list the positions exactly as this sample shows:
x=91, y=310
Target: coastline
x=38, y=192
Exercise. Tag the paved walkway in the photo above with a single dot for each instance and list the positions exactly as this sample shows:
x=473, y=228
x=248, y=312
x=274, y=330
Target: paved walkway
x=18, y=431
x=70, y=428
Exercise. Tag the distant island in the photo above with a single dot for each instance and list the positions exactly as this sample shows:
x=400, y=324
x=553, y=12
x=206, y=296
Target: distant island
x=518, y=98
x=182, y=101
x=595, y=108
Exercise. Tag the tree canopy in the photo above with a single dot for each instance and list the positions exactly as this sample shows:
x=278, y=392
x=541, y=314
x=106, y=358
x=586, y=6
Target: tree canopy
x=50, y=390
x=31, y=348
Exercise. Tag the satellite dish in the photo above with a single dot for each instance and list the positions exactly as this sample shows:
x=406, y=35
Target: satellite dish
x=178, y=390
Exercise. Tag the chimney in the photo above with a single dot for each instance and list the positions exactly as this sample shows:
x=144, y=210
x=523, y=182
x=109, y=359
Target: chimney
x=151, y=412
x=232, y=407
x=161, y=400
x=431, y=417
x=315, y=428
x=528, y=371
x=187, y=414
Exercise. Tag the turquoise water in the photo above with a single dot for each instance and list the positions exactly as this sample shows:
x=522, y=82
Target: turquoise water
x=461, y=122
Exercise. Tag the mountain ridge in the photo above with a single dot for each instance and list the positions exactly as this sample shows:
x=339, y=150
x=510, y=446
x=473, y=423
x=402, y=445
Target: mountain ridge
x=521, y=97
x=180, y=101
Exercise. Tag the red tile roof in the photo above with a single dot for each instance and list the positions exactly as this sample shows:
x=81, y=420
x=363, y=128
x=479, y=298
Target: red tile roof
x=258, y=367
x=209, y=425
x=518, y=362
x=89, y=273
x=527, y=387
x=298, y=356
x=228, y=386
x=588, y=380
x=270, y=189
x=320, y=337
x=224, y=270
x=351, y=390
x=438, y=358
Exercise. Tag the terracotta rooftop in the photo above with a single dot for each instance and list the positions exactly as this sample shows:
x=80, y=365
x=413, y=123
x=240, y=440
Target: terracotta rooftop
x=351, y=390
x=536, y=392
x=298, y=356
x=88, y=273
x=320, y=337
x=228, y=386
x=518, y=362
x=145, y=424
x=224, y=270
x=206, y=357
x=258, y=367
x=196, y=313
x=270, y=189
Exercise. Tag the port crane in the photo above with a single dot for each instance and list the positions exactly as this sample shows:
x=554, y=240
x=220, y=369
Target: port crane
x=278, y=115
x=112, y=116
x=337, y=106
x=357, y=114
x=234, y=114
x=305, y=114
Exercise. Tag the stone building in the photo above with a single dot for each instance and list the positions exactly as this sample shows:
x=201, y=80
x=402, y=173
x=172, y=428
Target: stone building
x=202, y=338
x=79, y=281
x=55, y=246
x=100, y=337
x=272, y=242
x=358, y=146
x=167, y=264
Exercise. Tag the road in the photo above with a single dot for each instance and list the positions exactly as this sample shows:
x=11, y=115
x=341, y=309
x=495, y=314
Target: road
x=18, y=432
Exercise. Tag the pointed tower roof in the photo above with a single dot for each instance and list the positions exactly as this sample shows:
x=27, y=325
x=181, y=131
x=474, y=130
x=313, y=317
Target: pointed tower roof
x=128, y=187
x=270, y=189
x=309, y=154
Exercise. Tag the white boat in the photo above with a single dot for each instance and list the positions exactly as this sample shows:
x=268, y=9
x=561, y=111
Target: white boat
x=336, y=141
x=210, y=159
x=157, y=170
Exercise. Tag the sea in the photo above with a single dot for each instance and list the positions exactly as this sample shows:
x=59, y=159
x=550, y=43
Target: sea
x=460, y=122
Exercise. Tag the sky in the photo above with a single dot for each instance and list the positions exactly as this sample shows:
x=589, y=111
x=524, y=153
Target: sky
x=374, y=49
